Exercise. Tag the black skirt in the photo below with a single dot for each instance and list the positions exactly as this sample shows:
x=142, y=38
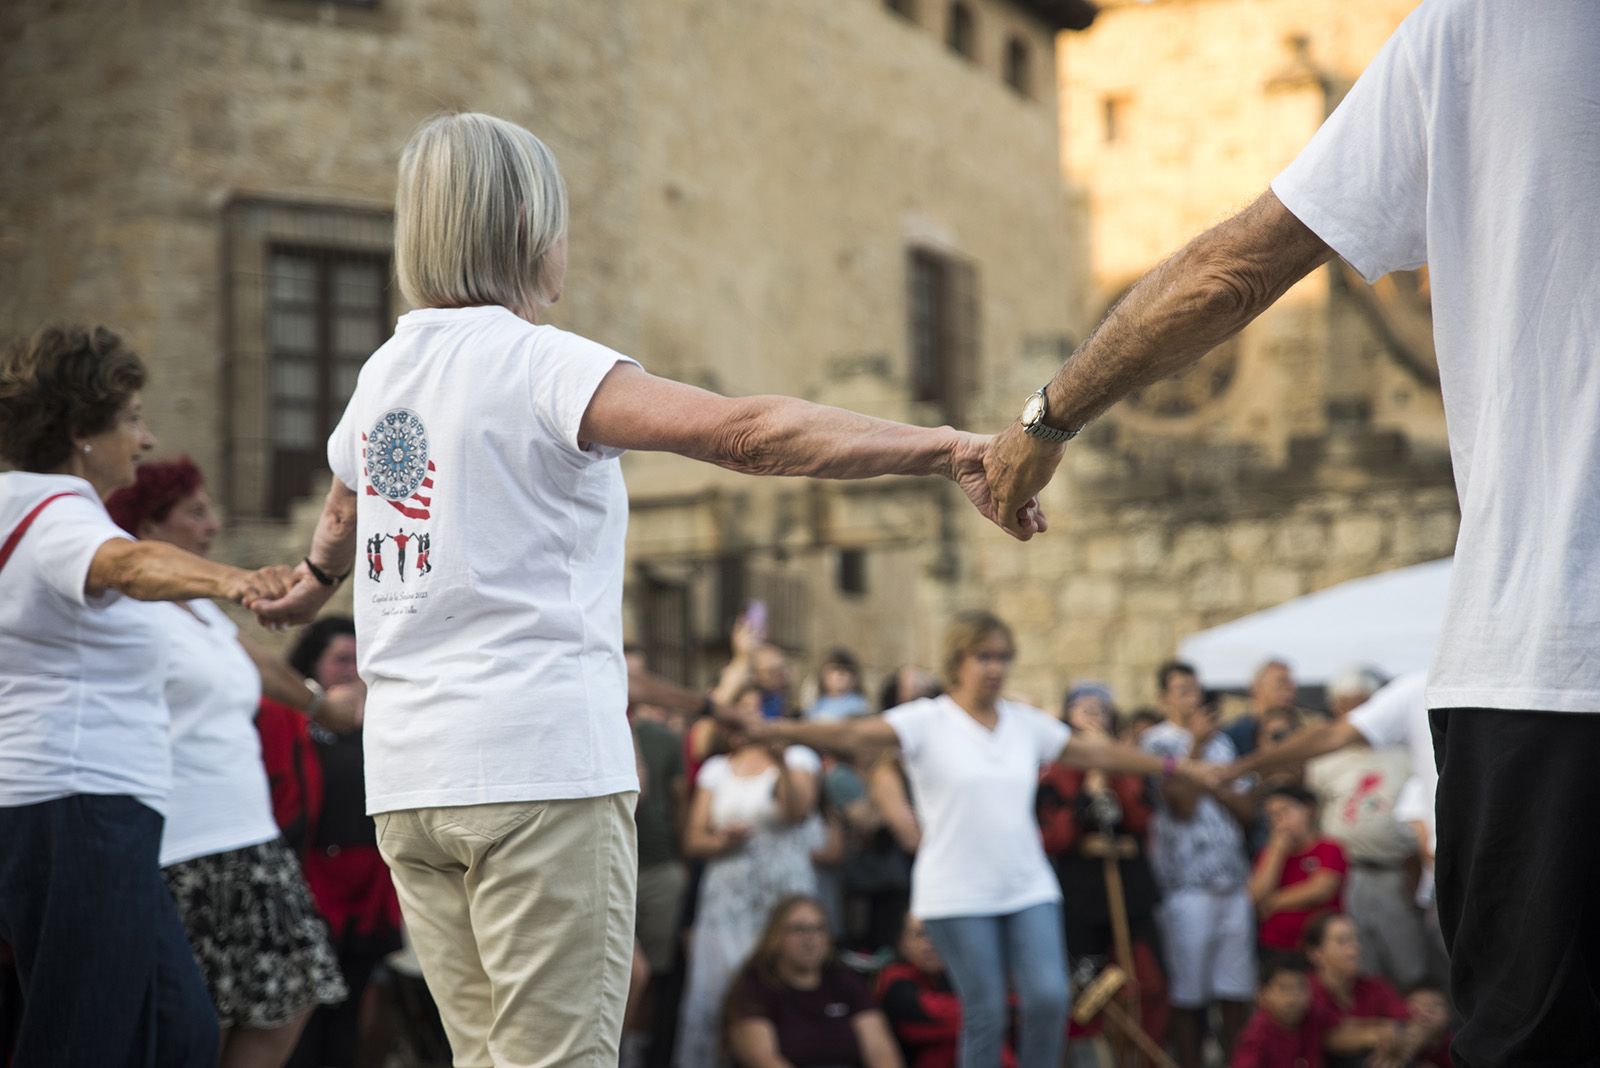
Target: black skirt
x=260, y=943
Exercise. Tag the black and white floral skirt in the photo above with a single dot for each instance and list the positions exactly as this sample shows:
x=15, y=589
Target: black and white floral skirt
x=261, y=945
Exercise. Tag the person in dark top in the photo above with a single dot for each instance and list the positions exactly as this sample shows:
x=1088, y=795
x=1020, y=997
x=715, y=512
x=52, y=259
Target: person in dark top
x=338, y=843
x=921, y=1005
x=1373, y=1022
x=1074, y=805
x=792, y=1005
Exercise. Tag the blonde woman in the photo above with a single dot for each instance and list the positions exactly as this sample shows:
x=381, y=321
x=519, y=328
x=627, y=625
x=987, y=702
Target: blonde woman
x=477, y=464
x=980, y=882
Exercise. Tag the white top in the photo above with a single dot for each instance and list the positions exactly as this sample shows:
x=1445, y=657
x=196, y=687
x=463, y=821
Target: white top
x=1359, y=791
x=1397, y=715
x=220, y=796
x=974, y=792
x=489, y=564
x=749, y=800
x=1466, y=146
x=81, y=710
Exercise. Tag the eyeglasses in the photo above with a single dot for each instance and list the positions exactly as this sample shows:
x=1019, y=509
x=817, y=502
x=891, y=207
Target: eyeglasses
x=805, y=928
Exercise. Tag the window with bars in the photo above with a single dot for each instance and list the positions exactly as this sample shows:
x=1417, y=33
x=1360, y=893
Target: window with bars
x=327, y=310
x=943, y=304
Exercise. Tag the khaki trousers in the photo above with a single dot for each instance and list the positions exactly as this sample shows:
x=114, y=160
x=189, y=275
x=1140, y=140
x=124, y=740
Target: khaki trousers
x=522, y=917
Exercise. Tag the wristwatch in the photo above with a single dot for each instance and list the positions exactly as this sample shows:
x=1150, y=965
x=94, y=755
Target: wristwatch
x=1034, y=412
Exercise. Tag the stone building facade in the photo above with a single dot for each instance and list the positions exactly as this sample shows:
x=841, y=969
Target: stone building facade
x=908, y=207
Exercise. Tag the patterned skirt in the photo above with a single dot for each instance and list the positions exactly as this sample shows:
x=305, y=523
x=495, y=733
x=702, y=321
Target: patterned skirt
x=261, y=945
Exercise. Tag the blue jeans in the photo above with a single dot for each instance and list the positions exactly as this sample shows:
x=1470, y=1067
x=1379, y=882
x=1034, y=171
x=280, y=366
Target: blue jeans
x=108, y=978
x=979, y=953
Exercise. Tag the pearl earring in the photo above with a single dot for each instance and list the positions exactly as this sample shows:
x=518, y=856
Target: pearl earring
x=87, y=449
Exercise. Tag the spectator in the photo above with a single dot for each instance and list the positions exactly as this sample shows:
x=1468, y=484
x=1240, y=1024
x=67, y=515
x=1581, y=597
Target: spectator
x=790, y=1005
x=251, y=922
x=921, y=1005
x=106, y=972
x=663, y=878
x=1370, y=1017
x=1273, y=688
x=906, y=684
x=1074, y=806
x=1430, y=1011
x=348, y=878
x=1360, y=788
x=877, y=866
x=769, y=669
x=1287, y=1028
x=981, y=881
x=1298, y=874
x=752, y=820
x=1352, y=688
x=841, y=694
x=1139, y=724
x=1197, y=852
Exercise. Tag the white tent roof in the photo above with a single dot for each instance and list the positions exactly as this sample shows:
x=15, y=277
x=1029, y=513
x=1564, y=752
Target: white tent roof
x=1389, y=621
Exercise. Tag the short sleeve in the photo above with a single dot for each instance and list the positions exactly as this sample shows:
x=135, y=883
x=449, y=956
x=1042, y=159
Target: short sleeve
x=566, y=370
x=799, y=758
x=65, y=537
x=713, y=773
x=1165, y=743
x=851, y=989
x=1414, y=802
x=1361, y=184
x=1330, y=856
x=344, y=451
x=1383, y=719
x=1050, y=734
x=911, y=723
x=843, y=787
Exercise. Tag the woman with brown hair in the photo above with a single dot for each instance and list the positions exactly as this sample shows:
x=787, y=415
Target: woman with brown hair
x=792, y=1005
x=981, y=883
x=85, y=763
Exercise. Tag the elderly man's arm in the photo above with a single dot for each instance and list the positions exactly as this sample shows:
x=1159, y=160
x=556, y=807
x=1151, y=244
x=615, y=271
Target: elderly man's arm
x=1198, y=298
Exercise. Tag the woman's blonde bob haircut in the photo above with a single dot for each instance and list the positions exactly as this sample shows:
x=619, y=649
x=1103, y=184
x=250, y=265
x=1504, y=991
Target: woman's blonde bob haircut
x=479, y=205
x=966, y=632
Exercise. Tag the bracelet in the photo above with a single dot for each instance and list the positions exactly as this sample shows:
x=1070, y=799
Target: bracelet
x=1169, y=766
x=318, y=696
x=322, y=576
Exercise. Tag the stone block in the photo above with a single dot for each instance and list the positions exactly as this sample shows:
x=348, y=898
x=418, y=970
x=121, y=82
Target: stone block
x=1357, y=537
x=1193, y=546
x=1275, y=585
x=1300, y=540
x=1420, y=536
x=1091, y=596
x=1106, y=553
x=1218, y=587
x=1248, y=540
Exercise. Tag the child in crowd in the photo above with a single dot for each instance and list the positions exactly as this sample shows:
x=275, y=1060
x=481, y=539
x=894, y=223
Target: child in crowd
x=1287, y=1028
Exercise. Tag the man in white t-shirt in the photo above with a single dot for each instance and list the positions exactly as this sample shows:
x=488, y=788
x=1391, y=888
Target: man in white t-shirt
x=1471, y=145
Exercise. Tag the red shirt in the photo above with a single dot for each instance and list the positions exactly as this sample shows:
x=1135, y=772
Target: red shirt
x=925, y=1015
x=1265, y=1044
x=1371, y=998
x=1282, y=930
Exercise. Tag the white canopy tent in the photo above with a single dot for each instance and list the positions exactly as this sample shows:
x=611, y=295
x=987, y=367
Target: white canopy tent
x=1390, y=621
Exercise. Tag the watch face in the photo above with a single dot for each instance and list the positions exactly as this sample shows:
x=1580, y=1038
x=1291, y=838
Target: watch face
x=1033, y=411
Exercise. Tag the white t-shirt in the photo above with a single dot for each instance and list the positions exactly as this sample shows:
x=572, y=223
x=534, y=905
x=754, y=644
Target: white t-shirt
x=1205, y=852
x=974, y=792
x=1397, y=715
x=489, y=565
x=81, y=708
x=750, y=800
x=1467, y=145
x=220, y=796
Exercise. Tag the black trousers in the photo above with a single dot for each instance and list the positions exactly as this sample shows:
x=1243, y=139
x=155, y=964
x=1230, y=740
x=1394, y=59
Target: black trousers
x=1519, y=883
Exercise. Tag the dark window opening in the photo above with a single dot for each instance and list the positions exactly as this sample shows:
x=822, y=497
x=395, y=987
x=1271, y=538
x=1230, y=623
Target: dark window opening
x=962, y=32
x=852, y=575
x=943, y=305
x=327, y=311
x=1019, y=64
x=906, y=9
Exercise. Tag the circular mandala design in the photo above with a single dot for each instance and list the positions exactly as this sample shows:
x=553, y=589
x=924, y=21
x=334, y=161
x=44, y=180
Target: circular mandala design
x=397, y=454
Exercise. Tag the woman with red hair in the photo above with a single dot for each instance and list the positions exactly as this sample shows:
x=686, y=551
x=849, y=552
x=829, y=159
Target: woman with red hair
x=260, y=943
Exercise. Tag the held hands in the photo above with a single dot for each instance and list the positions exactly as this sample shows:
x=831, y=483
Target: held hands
x=298, y=602
x=344, y=707
x=248, y=588
x=1202, y=774
x=970, y=468
x=1016, y=468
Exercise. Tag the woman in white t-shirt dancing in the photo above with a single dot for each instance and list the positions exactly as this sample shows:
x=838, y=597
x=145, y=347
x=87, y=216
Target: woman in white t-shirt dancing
x=85, y=767
x=981, y=883
x=477, y=465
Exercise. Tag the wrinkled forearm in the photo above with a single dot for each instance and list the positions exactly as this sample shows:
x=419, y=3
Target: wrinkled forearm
x=785, y=436
x=1198, y=298
x=158, y=571
x=333, y=546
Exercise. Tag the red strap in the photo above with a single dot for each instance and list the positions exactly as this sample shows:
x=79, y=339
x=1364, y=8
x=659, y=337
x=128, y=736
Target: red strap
x=27, y=521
